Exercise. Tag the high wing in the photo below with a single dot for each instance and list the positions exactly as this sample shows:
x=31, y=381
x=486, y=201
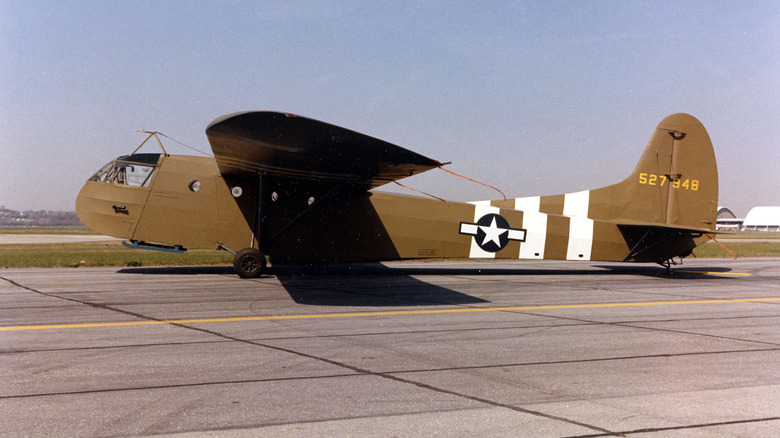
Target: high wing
x=290, y=146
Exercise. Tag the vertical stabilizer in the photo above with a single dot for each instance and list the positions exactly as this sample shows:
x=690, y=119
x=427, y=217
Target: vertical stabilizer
x=675, y=182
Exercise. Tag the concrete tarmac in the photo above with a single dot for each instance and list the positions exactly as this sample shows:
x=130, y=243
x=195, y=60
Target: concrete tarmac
x=396, y=349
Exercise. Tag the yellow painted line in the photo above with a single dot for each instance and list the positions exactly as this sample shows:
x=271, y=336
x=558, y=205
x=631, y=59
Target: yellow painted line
x=387, y=313
x=743, y=274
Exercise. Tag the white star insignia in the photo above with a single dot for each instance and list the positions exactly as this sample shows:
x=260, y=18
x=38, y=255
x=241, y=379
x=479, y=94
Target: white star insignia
x=493, y=233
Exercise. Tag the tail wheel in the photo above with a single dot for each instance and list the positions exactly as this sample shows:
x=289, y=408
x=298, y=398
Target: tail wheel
x=249, y=263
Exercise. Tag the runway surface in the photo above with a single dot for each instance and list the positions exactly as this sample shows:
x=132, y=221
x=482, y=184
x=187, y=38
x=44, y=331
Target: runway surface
x=398, y=349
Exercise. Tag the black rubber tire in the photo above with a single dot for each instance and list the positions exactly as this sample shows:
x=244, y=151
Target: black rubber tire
x=249, y=263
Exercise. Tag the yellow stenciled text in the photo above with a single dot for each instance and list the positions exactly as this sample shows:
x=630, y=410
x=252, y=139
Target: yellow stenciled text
x=652, y=179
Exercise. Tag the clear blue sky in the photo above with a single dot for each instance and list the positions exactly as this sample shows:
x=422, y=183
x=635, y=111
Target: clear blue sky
x=534, y=97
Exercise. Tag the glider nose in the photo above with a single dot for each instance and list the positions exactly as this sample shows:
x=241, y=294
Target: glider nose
x=91, y=211
x=105, y=209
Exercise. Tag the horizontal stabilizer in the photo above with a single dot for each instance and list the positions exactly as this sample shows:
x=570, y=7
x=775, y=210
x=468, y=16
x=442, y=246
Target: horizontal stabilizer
x=290, y=146
x=652, y=242
x=647, y=225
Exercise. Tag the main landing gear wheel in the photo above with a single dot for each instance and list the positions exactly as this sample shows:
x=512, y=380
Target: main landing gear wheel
x=249, y=263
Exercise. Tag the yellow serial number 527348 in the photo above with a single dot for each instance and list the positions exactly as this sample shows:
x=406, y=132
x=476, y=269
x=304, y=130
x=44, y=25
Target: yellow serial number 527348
x=659, y=180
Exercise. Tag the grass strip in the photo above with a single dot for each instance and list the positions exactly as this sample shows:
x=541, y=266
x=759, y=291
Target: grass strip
x=47, y=230
x=102, y=254
x=742, y=249
x=763, y=235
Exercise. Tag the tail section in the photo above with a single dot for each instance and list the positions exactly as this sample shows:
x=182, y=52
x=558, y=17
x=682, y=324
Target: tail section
x=675, y=182
x=659, y=212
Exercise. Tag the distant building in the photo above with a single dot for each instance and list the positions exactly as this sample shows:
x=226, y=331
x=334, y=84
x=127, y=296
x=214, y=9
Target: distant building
x=727, y=220
x=762, y=219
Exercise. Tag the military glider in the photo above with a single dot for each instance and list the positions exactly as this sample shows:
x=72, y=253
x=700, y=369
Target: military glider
x=296, y=189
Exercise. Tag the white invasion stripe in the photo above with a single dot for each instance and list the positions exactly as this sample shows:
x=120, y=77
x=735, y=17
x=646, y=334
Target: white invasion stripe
x=468, y=229
x=479, y=202
x=580, y=238
x=535, y=225
x=476, y=252
x=576, y=204
x=528, y=204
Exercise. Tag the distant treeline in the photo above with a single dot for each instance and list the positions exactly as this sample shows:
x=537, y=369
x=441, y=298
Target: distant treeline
x=40, y=218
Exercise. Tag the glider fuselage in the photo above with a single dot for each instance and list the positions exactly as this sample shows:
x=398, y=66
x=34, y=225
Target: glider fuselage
x=307, y=214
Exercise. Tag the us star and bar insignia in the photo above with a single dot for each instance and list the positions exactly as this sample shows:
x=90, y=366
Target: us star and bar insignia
x=492, y=232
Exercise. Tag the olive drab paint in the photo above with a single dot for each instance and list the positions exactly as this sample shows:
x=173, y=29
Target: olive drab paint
x=299, y=190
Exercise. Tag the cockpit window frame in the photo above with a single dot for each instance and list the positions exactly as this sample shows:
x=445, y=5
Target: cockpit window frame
x=115, y=172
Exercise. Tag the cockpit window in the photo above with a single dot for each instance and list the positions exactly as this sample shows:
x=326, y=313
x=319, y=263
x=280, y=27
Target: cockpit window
x=152, y=159
x=130, y=170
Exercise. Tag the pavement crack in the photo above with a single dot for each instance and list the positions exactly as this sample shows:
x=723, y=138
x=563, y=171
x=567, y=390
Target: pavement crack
x=384, y=375
x=582, y=361
x=638, y=325
x=675, y=428
x=85, y=303
x=173, y=385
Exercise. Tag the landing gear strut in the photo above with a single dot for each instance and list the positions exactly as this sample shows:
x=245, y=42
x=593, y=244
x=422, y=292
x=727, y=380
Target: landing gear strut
x=249, y=263
x=668, y=265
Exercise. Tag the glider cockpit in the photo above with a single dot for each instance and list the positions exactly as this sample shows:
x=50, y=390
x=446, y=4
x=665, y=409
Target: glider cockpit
x=130, y=170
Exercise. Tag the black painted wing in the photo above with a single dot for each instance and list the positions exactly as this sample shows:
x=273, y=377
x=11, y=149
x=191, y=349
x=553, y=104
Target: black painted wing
x=290, y=146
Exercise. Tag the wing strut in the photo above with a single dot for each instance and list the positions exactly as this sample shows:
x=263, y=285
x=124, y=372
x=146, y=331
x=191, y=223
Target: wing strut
x=260, y=222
